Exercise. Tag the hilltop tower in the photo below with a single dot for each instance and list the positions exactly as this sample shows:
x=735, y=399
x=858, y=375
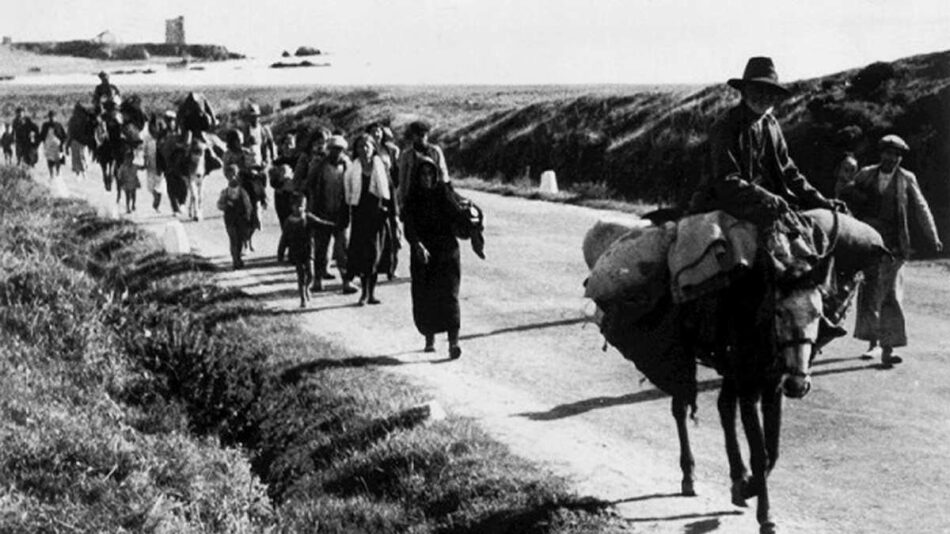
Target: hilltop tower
x=175, y=31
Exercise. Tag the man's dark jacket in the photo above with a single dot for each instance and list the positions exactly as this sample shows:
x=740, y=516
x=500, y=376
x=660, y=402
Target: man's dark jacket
x=751, y=170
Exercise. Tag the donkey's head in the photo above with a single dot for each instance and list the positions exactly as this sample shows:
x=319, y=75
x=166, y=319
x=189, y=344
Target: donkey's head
x=797, y=318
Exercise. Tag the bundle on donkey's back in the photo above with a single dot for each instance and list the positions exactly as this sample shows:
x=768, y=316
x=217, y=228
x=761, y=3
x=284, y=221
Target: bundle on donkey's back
x=746, y=284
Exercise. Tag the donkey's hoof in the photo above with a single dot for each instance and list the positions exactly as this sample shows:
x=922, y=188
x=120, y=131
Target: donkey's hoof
x=688, y=489
x=767, y=528
x=738, y=492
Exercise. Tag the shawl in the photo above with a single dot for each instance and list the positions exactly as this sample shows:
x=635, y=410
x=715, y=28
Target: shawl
x=353, y=181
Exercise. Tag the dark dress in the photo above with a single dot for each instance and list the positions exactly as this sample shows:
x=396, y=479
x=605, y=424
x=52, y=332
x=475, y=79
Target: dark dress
x=428, y=217
x=366, y=233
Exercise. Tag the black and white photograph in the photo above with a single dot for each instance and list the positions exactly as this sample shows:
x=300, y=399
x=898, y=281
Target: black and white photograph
x=475, y=266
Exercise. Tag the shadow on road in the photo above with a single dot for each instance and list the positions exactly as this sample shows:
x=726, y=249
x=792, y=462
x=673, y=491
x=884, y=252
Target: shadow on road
x=296, y=372
x=522, y=328
x=683, y=516
x=702, y=527
x=596, y=403
x=649, y=497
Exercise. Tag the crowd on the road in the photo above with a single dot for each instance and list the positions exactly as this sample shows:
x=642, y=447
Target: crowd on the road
x=352, y=201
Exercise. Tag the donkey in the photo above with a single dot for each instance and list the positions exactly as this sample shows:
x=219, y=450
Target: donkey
x=760, y=356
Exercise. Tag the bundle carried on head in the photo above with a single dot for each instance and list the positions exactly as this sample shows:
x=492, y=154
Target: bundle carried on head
x=196, y=115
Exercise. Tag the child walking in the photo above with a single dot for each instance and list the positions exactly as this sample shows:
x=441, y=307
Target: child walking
x=128, y=175
x=236, y=206
x=297, y=236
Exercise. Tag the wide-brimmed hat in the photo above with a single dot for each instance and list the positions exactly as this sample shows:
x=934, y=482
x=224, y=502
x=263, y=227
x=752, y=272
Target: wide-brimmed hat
x=337, y=141
x=761, y=71
x=893, y=141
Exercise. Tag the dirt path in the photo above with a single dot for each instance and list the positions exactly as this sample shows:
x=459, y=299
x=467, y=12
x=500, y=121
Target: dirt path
x=867, y=451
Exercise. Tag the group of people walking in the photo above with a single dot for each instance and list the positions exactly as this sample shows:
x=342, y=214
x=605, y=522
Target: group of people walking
x=24, y=142
x=353, y=202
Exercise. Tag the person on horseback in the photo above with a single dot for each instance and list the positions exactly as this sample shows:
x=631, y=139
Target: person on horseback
x=106, y=95
x=753, y=176
x=755, y=179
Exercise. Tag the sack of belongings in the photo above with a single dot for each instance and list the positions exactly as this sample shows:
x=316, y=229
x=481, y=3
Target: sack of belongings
x=633, y=268
x=599, y=238
x=856, y=244
x=196, y=115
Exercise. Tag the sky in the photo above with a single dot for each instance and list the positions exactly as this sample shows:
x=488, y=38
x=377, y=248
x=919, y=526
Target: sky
x=524, y=41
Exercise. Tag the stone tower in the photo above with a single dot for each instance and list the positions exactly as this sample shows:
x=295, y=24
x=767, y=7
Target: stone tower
x=175, y=31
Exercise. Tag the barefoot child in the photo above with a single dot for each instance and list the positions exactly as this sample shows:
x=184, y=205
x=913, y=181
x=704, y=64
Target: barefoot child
x=297, y=237
x=236, y=206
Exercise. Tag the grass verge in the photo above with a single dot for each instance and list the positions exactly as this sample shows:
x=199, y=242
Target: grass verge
x=136, y=395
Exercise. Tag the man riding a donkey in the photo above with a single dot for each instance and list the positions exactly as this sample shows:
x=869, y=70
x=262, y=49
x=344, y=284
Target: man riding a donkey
x=742, y=285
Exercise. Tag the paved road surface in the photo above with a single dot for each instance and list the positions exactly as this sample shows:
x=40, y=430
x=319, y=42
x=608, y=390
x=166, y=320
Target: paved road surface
x=867, y=451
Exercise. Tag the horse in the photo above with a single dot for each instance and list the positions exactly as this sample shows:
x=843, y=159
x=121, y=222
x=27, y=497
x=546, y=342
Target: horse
x=761, y=357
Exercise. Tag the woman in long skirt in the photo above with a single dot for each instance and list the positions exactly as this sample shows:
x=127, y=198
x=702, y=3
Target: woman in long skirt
x=428, y=216
x=368, y=192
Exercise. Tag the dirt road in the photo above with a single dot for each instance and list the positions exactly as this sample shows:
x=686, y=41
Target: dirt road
x=868, y=450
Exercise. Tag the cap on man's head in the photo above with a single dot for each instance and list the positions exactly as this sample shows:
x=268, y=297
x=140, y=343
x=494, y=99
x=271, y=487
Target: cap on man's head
x=103, y=74
x=759, y=71
x=893, y=141
x=170, y=114
x=337, y=141
x=19, y=109
x=253, y=109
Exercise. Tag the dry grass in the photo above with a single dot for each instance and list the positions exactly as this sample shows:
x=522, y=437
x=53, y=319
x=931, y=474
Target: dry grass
x=139, y=396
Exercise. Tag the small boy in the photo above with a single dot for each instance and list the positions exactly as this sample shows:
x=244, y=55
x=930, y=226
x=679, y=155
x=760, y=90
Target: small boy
x=236, y=205
x=297, y=237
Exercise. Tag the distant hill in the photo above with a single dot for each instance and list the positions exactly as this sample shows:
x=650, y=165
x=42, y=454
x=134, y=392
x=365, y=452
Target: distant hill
x=103, y=50
x=651, y=145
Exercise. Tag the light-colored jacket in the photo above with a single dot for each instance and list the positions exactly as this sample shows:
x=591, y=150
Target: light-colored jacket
x=909, y=199
x=378, y=183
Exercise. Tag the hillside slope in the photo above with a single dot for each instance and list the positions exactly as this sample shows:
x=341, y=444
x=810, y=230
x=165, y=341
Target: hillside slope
x=651, y=144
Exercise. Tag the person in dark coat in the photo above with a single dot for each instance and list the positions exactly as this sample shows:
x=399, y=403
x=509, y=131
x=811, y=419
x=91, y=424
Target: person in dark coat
x=753, y=176
x=432, y=218
x=236, y=205
x=284, y=197
x=172, y=153
x=26, y=135
x=368, y=193
x=6, y=141
x=296, y=235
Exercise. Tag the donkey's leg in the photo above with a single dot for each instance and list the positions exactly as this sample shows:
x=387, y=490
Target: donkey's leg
x=772, y=425
x=679, y=408
x=199, y=196
x=727, y=416
x=758, y=460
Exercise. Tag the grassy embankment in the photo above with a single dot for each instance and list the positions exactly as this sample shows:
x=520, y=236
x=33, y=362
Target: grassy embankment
x=136, y=395
x=650, y=145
